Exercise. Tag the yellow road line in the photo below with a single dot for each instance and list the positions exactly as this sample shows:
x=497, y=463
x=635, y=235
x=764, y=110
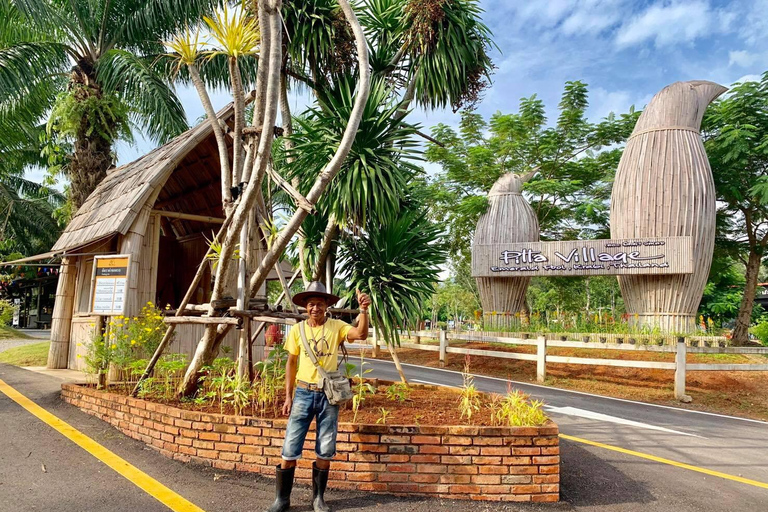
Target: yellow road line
x=662, y=460
x=142, y=480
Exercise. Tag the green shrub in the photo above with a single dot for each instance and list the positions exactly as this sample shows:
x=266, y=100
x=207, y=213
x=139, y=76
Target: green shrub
x=761, y=331
x=6, y=312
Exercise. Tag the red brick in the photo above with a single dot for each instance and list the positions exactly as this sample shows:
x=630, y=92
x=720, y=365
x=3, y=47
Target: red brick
x=227, y=447
x=486, y=479
x=526, y=489
x=465, y=489
x=456, y=459
x=220, y=464
x=431, y=468
x=209, y=436
x=397, y=458
x=464, y=450
x=426, y=440
x=233, y=438
x=434, y=449
x=463, y=470
x=524, y=470
x=463, y=430
x=398, y=487
x=205, y=445
x=516, y=479
x=546, y=441
x=493, y=470
x=427, y=459
x=552, y=459
x=487, y=460
x=208, y=454
x=548, y=498
x=253, y=450
x=249, y=431
x=361, y=477
x=192, y=434
x=371, y=457
x=373, y=448
x=425, y=478
x=525, y=450
x=367, y=466
x=234, y=457
x=433, y=489
x=494, y=450
x=364, y=438
x=488, y=441
x=395, y=439
x=550, y=450
x=255, y=459
x=182, y=423
x=372, y=486
x=546, y=479
x=496, y=489
x=401, y=468
x=392, y=477
x=457, y=440
x=517, y=461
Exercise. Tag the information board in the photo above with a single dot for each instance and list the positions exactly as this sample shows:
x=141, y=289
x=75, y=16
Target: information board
x=110, y=279
x=672, y=255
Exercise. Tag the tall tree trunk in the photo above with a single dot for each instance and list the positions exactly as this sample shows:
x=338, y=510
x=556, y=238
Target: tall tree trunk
x=93, y=150
x=741, y=329
x=331, y=230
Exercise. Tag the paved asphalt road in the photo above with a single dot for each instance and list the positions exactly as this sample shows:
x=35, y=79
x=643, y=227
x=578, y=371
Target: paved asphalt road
x=593, y=479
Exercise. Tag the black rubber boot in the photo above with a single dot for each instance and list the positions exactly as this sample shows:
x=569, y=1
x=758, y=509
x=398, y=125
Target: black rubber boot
x=319, y=483
x=283, y=485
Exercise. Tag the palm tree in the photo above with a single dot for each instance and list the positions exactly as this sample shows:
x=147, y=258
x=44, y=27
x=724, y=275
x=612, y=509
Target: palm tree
x=91, y=64
x=398, y=264
x=27, y=209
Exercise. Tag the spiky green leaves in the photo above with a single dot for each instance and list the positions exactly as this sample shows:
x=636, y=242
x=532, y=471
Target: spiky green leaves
x=397, y=264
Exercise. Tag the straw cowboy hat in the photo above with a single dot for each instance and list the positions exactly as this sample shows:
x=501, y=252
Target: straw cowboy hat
x=314, y=289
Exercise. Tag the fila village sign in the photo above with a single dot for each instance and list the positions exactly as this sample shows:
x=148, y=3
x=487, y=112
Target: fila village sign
x=671, y=255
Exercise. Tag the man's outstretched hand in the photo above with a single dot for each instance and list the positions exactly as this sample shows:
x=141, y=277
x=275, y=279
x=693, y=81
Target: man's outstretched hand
x=363, y=299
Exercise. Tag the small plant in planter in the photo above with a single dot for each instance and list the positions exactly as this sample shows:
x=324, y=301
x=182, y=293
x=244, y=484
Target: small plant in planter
x=469, y=401
x=399, y=392
x=385, y=414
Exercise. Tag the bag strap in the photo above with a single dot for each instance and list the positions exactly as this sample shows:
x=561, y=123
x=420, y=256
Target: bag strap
x=309, y=351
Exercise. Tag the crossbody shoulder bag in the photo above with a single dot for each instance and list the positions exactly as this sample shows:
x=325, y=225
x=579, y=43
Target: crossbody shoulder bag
x=335, y=385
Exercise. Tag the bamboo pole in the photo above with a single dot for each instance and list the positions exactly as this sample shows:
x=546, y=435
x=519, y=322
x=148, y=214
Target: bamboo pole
x=180, y=311
x=189, y=216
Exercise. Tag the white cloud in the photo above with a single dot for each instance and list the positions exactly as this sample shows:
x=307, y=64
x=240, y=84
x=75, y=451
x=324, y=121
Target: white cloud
x=667, y=23
x=742, y=58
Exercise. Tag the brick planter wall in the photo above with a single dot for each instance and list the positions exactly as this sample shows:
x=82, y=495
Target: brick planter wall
x=479, y=463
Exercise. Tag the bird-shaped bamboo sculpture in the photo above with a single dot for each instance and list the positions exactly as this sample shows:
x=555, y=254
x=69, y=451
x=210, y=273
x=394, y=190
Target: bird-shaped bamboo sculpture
x=509, y=219
x=664, y=188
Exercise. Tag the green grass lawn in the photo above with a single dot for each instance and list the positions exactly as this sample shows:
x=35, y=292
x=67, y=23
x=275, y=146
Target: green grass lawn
x=35, y=354
x=7, y=333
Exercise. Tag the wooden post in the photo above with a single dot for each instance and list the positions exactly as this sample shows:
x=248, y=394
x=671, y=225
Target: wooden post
x=61, y=325
x=541, y=359
x=179, y=312
x=375, y=333
x=443, y=337
x=680, y=372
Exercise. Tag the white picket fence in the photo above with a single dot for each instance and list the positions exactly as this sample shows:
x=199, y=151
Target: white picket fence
x=680, y=366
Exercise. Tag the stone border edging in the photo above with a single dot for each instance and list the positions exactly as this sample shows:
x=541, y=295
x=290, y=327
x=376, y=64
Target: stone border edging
x=457, y=462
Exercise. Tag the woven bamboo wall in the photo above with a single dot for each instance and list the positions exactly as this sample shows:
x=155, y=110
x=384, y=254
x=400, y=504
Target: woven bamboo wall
x=509, y=219
x=663, y=188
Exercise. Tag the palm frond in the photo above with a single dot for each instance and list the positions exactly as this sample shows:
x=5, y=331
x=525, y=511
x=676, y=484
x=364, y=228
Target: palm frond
x=397, y=264
x=154, y=105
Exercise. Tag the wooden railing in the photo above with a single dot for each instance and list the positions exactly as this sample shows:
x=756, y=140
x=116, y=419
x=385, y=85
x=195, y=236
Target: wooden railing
x=680, y=349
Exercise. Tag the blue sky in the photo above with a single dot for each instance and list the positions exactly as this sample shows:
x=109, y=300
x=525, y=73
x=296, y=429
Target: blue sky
x=625, y=50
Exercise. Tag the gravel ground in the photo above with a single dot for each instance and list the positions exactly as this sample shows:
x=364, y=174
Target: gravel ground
x=37, y=337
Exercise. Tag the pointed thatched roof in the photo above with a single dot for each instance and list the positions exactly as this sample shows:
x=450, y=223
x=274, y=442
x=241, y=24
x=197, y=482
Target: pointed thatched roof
x=112, y=208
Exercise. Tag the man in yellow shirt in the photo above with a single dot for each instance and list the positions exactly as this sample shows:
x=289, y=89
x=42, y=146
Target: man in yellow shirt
x=324, y=337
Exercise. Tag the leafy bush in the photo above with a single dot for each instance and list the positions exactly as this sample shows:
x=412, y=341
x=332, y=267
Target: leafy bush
x=399, y=392
x=515, y=410
x=761, y=331
x=6, y=312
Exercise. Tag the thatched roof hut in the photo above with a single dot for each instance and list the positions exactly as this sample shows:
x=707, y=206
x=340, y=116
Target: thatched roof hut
x=159, y=210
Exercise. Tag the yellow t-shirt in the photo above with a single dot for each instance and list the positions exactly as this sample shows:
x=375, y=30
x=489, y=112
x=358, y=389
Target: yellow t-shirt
x=324, y=341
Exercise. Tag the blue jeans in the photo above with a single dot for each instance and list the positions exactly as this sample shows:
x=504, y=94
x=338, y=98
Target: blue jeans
x=306, y=406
